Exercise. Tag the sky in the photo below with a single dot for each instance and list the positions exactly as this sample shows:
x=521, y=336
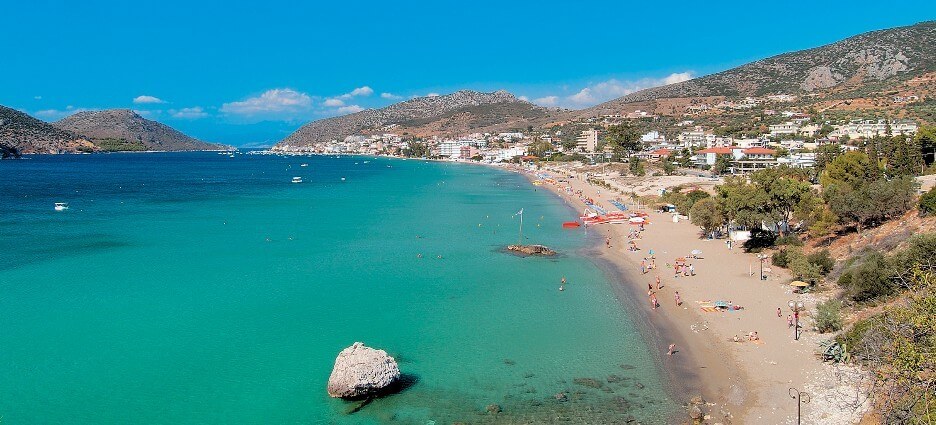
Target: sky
x=250, y=74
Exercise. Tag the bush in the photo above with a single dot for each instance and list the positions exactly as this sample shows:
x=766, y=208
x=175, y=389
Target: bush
x=788, y=240
x=872, y=277
x=928, y=202
x=780, y=259
x=801, y=267
x=759, y=240
x=823, y=260
x=829, y=316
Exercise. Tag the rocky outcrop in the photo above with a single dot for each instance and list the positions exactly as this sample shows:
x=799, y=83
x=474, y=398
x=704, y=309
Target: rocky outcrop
x=539, y=250
x=362, y=372
x=23, y=134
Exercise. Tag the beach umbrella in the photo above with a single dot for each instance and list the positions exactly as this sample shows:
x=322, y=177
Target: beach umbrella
x=636, y=220
x=696, y=252
x=799, y=284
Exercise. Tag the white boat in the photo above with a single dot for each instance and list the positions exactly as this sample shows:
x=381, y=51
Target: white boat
x=297, y=180
x=304, y=165
x=61, y=206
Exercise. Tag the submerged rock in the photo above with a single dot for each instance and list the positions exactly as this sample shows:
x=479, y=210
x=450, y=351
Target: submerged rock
x=493, y=409
x=588, y=382
x=361, y=371
x=540, y=250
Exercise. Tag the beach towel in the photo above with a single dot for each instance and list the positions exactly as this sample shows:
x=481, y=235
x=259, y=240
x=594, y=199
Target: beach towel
x=709, y=309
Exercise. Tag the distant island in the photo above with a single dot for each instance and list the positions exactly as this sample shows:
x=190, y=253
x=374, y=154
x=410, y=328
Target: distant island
x=113, y=130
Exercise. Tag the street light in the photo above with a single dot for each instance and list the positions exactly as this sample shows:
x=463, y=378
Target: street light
x=800, y=398
x=762, y=257
x=796, y=307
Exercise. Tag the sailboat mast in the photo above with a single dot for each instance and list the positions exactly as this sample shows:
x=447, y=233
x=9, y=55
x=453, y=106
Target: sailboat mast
x=520, y=242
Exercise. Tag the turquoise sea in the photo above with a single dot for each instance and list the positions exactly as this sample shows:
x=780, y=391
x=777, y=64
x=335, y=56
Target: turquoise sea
x=194, y=288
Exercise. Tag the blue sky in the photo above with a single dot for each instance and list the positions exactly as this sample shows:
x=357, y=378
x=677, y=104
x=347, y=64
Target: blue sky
x=246, y=74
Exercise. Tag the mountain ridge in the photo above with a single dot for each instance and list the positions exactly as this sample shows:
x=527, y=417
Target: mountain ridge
x=21, y=133
x=464, y=110
x=893, y=54
x=116, y=125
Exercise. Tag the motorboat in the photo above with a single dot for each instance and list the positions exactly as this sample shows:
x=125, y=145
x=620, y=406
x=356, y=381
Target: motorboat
x=297, y=179
x=61, y=206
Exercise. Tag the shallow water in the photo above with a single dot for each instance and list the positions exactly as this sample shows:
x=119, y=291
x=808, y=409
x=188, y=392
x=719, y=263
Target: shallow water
x=197, y=288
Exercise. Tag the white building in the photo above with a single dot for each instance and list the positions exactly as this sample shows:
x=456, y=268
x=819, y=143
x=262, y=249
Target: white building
x=453, y=148
x=587, y=141
x=871, y=128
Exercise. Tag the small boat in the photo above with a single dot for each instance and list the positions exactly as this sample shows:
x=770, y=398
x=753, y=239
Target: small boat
x=342, y=179
x=304, y=165
x=61, y=206
x=297, y=179
x=571, y=224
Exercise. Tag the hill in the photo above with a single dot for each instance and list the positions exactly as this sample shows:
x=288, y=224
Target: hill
x=21, y=133
x=870, y=62
x=125, y=130
x=453, y=114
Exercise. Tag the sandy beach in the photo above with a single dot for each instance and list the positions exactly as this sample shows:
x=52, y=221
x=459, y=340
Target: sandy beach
x=747, y=381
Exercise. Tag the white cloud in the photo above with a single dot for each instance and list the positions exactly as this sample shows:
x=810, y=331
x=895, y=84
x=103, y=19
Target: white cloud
x=432, y=95
x=610, y=89
x=334, y=102
x=524, y=98
x=57, y=114
x=148, y=113
x=390, y=96
x=360, y=91
x=273, y=104
x=547, y=101
x=192, y=113
x=147, y=99
x=677, y=77
x=350, y=109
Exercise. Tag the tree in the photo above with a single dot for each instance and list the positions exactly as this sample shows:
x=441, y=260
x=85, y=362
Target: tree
x=722, y=162
x=668, y=167
x=741, y=202
x=539, y=148
x=623, y=138
x=781, y=192
x=928, y=202
x=925, y=138
x=707, y=215
x=826, y=154
x=636, y=167
x=849, y=170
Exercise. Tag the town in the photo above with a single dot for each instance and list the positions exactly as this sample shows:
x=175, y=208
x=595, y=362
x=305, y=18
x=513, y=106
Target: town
x=794, y=140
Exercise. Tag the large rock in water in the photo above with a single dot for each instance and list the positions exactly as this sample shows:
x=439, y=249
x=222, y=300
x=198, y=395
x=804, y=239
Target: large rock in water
x=361, y=371
x=531, y=250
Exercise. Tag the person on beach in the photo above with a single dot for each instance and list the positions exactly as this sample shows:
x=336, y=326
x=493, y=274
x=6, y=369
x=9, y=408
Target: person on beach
x=652, y=263
x=658, y=283
x=608, y=242
x=643, y=266
x=678, y=299
x=691, y=270
x=653, y=301
x=649, y=289
x=779, y=312
x=651, y=253
x=789, y=321
x=672, y=350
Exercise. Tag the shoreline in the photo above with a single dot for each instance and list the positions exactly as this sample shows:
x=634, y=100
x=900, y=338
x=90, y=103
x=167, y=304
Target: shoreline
x=696, y=372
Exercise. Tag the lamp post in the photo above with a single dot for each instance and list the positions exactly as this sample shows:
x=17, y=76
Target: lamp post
x=800, y=398
x=796, y=307
x=762, y=258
